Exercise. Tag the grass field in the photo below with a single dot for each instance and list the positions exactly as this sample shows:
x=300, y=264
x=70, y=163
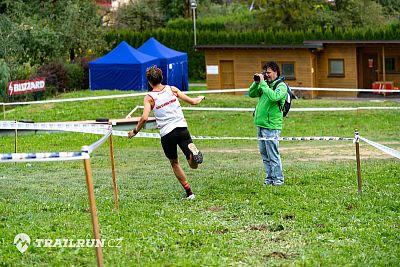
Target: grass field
x=316, y=219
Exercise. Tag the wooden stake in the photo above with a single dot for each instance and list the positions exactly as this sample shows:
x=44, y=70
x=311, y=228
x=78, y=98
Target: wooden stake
x=113, y=171
x=16, y=140
x=357, y=141
x=93, y=212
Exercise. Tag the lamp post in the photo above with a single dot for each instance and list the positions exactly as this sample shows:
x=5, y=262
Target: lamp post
x=193, y=5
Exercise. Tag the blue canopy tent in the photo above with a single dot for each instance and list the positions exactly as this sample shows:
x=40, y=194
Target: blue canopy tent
x=174, y=64
x=124, y=68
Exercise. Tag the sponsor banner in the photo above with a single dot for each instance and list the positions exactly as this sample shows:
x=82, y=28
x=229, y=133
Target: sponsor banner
x=26, y=86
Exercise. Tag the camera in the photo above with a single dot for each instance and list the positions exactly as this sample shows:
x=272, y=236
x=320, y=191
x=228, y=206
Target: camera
x=256, y=78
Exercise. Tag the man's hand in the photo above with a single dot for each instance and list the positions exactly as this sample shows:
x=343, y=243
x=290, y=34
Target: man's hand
x=131, y=134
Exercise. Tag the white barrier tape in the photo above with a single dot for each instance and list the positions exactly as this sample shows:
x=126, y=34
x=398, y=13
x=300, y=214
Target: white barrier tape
x=67, y=127
x=99, y=142
x=74, y=99
x=48, y=125
x=383, y=148
x=232, y=90
x=131, y=112
x=105, y=130
x=292, y=109
x=322, y=138
x=344, y=90
x=50, y=156
x=122, y=133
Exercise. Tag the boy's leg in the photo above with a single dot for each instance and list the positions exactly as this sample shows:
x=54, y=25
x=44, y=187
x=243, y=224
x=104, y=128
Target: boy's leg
x=181, y=176
x=169, y=143
x=193, y=155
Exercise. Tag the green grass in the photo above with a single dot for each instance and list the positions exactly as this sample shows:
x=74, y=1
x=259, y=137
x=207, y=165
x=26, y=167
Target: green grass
x=316, y=219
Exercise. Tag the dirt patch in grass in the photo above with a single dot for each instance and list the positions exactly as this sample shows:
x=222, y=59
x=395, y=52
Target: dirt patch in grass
x=320, y=152
x=221, y=231
x=278, y=255
x=215, y=209
x=259, y=228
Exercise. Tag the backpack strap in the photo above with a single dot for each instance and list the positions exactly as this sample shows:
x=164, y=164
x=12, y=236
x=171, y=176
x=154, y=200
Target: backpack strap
x=274, y=88
x=276, y=84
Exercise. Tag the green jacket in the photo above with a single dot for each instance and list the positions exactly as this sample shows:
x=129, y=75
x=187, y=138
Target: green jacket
x=268, y=114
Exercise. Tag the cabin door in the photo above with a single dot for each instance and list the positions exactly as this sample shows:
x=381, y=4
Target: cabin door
x=227, y=77
x=370, y=70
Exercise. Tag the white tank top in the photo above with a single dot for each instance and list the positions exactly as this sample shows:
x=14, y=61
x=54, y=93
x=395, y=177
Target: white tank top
x=167, y=110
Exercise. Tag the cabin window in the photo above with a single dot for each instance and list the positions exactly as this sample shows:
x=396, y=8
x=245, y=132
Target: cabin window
x=336, y=67
x=390, y=64
x=288, y=71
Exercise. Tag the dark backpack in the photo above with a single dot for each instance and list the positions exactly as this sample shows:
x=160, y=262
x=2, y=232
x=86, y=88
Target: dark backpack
x=289, y=97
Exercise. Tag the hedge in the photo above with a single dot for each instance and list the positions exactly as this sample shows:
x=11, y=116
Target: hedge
x=183, y=40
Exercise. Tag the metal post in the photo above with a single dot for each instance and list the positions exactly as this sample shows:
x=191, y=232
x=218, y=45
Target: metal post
x=93, y=212
x=357, y=141
x=113, y=171
x=193, y=5
x=194, y=25
x=4, y=111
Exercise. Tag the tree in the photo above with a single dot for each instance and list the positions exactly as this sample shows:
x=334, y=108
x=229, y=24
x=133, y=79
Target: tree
x=140, y=15
x=4, y=78
x=186, y=8
x=349, y=13
x=173, y=9
x=391, y=7
x=80, y=26
x=51, y=29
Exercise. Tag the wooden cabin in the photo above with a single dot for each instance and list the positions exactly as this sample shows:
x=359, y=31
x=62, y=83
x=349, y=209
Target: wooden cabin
x=318, y=64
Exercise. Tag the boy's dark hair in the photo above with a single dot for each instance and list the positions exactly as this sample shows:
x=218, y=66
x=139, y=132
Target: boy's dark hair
x=154, y=75
x=273, y=66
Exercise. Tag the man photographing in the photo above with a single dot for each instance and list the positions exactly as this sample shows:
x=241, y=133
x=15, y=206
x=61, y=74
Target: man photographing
x=268, y=118
x=164, y=101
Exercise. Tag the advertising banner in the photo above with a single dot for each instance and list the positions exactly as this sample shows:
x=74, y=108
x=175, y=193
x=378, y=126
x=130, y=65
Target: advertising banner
x=26, y=86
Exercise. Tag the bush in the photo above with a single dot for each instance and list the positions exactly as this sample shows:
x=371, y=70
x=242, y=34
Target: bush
x=75, y=77
x=56, y=77
x=84, y=62
x=4, y=79
x=22, y=72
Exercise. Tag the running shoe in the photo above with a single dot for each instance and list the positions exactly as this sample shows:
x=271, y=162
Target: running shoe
x=191, y=197
x=197, y=155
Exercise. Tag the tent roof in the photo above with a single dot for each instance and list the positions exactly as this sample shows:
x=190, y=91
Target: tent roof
x=124, y=54
x=157, y=49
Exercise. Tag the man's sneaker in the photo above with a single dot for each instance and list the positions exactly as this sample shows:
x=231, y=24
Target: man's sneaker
x=197, y=155
x=268, y=181
x=191, y=197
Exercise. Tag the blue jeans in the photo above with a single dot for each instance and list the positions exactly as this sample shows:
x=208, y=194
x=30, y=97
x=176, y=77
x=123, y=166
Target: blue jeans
x=270, y=156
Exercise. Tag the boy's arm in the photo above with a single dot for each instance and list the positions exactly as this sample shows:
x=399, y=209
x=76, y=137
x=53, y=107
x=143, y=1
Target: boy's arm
x=147, y=103
x=187, y=99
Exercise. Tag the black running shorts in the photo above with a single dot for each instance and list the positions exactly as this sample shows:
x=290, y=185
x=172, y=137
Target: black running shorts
x=179, y=136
